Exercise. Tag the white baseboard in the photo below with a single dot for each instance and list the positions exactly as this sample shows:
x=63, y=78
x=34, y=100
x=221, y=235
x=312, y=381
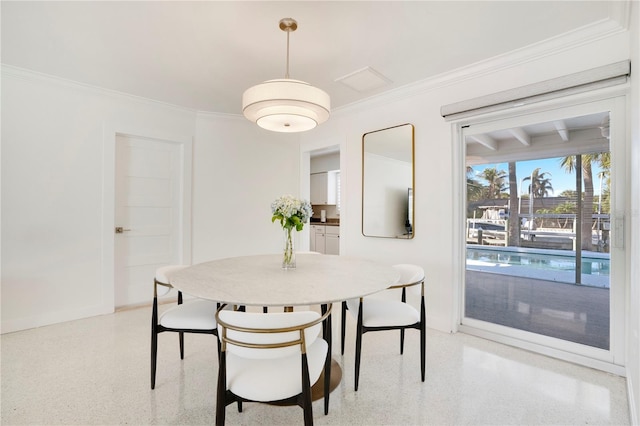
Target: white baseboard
x=633, y=409
x=50, y=318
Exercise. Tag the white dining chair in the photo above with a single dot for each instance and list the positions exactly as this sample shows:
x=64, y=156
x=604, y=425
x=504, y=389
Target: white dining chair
x=193, y=316
x=378, y=313
x=271, y=357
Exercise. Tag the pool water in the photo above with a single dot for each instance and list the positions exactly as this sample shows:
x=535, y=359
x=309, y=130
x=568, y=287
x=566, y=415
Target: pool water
x=555, y=265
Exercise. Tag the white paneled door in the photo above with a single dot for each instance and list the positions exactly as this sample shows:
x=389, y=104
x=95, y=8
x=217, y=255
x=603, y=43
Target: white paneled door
x=148, y=214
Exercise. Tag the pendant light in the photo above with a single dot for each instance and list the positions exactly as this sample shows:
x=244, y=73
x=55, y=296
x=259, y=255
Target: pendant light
x=286, y=105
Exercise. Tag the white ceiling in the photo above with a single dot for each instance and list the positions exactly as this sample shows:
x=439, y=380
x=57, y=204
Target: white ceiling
x=203, y=55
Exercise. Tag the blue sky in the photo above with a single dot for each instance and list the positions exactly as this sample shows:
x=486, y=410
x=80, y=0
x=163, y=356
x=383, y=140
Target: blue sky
x=560, y=179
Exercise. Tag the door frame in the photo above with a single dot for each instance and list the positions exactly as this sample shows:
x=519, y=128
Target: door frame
x=109, y=135
x=612, y=360
x=305, y=181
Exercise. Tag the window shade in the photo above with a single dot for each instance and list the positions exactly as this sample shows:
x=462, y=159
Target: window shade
x=596, y=78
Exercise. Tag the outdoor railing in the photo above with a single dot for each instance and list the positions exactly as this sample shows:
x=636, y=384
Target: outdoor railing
x=538, y=227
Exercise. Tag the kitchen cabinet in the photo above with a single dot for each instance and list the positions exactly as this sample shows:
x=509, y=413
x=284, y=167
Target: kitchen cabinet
x=332, y=240
x=323, y=188
x=325, y=239
x=317, y=238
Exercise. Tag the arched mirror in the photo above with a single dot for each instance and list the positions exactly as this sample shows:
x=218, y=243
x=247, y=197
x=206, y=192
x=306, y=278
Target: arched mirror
x=387, y=182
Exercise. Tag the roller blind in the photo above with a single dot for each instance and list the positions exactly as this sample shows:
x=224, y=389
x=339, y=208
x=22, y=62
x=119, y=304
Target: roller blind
x=596, y=78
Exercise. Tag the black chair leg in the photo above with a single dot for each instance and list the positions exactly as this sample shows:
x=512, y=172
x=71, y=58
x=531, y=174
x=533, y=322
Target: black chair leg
x=181, y=345
x=327, y=383
x=154, y=342
x=221, y=397
x=306, y=392
x=181, y=333
x=328, y=335
x=423, y=339
x=423, y=352
x=359, y=331
x=154, y=357
x=404, y=300
x=343, y=321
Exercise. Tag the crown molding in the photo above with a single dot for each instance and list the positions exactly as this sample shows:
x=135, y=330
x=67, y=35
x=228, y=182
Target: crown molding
x=616, y=23
x=35, y=76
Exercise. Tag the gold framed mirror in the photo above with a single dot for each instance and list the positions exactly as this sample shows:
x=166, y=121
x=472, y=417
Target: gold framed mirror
x=388, y=182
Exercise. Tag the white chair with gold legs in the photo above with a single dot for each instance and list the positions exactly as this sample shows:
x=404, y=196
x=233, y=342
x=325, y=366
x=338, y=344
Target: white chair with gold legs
x=194, y=316
x=374, y=313
x=271, y=357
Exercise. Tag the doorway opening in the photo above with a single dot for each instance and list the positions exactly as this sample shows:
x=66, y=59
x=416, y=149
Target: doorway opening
x=325, y=185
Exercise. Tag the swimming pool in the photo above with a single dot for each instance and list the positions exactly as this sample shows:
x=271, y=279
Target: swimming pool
x=553, y=265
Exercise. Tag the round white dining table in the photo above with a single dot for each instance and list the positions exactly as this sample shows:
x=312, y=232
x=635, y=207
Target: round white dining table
x=260, y=280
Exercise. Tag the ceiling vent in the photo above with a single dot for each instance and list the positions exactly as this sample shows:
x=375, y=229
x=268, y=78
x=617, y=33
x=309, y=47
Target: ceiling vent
x=364, y=80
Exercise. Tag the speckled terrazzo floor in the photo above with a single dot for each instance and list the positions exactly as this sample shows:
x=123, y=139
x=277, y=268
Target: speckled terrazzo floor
x=96, y=371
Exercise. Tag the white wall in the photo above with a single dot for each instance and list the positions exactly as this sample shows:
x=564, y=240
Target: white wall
x=239, y=170
x=53, y=137
x=57, y=139
x=432, y=246
x=325, y=163
x=633, y=326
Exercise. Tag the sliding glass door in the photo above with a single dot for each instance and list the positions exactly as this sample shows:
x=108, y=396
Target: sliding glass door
x=538, y=227
x=537, y=262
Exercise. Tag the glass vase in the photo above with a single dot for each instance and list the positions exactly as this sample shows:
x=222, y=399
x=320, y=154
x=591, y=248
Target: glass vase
x=289, y=258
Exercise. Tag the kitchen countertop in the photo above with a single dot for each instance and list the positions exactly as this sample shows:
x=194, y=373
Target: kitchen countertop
x=328, y=223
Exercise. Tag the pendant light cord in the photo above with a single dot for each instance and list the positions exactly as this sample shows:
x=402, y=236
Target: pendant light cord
x=287, y=73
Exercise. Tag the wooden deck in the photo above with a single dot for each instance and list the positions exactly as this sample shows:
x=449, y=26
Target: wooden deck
x=571, y=312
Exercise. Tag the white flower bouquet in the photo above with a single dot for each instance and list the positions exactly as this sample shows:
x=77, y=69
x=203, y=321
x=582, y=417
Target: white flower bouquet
x=291, y=212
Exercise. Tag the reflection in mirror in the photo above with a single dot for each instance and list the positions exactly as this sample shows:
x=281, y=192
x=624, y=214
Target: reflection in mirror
x=387, y=182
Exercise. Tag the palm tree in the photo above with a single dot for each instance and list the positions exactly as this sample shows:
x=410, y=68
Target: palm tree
x=513, y=236
x=569, y=164
x=605, y=175
x=565, y=208
x=539, y=184
x=495, y=179
x=474, y=188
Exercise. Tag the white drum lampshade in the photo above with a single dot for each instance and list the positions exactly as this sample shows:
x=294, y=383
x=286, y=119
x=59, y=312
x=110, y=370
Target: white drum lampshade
x=286, y=105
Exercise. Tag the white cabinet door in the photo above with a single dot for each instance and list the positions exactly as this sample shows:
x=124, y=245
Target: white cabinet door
x=323, y=188
x=312, y=238
x=318, y=188
x=320, y=243
x=318, y=238
x=332, y=240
